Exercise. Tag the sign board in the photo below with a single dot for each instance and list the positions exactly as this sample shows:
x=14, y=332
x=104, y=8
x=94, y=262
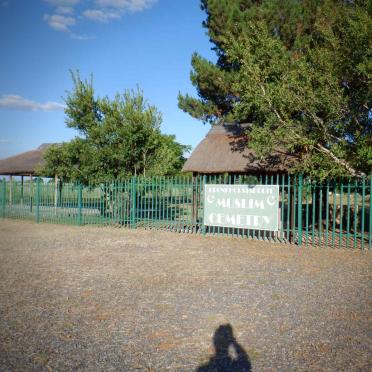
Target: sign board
x=244, y=206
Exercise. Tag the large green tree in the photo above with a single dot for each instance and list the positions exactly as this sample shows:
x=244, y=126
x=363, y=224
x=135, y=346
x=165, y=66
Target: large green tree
x=117, y=138
x=299, y=71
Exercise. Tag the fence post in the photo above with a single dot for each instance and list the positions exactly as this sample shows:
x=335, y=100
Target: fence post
x=370, y=214
x=299, y=201
x=3, y=197
x=80, y=200
x=363, y=210
x=38, y=200
x=133, y=209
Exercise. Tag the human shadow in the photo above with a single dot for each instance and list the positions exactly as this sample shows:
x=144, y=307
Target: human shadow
x=229, y=355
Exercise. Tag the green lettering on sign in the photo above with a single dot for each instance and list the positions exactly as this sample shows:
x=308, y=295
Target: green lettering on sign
x=243, y=206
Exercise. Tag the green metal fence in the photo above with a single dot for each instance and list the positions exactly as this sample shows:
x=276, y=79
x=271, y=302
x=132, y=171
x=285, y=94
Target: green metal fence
x=328, y=214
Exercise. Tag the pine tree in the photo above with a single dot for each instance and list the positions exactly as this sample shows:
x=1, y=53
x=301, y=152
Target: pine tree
x=299, y=71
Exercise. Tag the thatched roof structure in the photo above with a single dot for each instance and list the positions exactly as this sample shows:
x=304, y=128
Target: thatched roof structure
x=24, y=164
x=224, y=150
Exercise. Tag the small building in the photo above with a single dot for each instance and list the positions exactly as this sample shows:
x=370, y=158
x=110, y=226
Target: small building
x=224, y=150
x=24, y=164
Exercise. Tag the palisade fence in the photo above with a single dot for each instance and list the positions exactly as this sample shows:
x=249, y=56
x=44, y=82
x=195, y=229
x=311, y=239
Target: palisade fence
x=333, y=214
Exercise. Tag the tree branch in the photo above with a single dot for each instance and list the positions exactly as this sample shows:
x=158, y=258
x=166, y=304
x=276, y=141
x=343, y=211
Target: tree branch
x=339, y=161
x=319, y=146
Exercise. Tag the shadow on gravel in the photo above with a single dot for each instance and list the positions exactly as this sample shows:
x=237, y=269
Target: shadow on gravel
x=229, y=355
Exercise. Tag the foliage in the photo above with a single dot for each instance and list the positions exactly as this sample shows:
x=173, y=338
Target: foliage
x=117, y=138
x=299, y=71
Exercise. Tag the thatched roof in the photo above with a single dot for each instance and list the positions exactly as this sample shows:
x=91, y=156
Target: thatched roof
x=23, y=164
x=224, y=150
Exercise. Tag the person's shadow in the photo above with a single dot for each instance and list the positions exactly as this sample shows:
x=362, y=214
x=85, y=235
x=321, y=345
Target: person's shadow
x=226, y=344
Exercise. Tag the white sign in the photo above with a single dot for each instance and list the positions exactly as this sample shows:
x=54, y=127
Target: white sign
x=242, y=206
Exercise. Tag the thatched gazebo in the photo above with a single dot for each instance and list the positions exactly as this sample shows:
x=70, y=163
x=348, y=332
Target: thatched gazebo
x=224, y=150
x=24, y=164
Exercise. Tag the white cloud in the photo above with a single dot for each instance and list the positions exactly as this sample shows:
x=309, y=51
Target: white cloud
x=16, y=102
x=132, y=5
x=62, y=2
x=99, y=15
x=65, y=10
x=63, y=19
x=80, y=37
x=60, y=22
x=108, y=10
x=63, y=23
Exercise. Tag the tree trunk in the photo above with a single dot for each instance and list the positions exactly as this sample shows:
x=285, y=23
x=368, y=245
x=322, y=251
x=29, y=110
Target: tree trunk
x=55, y=193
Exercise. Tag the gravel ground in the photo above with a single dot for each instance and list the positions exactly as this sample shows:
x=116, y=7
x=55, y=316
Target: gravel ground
x=87, y=298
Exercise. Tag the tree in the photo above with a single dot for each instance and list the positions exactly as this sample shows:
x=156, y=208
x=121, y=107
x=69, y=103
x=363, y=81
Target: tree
x=299, y=71
x=117, y=138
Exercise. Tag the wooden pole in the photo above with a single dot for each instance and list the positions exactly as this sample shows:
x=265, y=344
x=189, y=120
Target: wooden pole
x=60, y=192
x=10, y=189
x=22, y=190
x=194, y=209
x=31, y=192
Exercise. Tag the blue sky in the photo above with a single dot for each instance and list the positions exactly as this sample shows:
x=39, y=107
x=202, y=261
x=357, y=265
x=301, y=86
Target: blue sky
x=122, y=42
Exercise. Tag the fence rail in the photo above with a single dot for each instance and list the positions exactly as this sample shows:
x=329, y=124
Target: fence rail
x=329, y=214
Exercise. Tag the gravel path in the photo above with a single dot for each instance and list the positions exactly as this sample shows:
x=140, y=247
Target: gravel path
x=86, y=298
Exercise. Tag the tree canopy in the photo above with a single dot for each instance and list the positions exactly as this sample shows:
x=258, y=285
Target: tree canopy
x=117, y=138
x=299, y=71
